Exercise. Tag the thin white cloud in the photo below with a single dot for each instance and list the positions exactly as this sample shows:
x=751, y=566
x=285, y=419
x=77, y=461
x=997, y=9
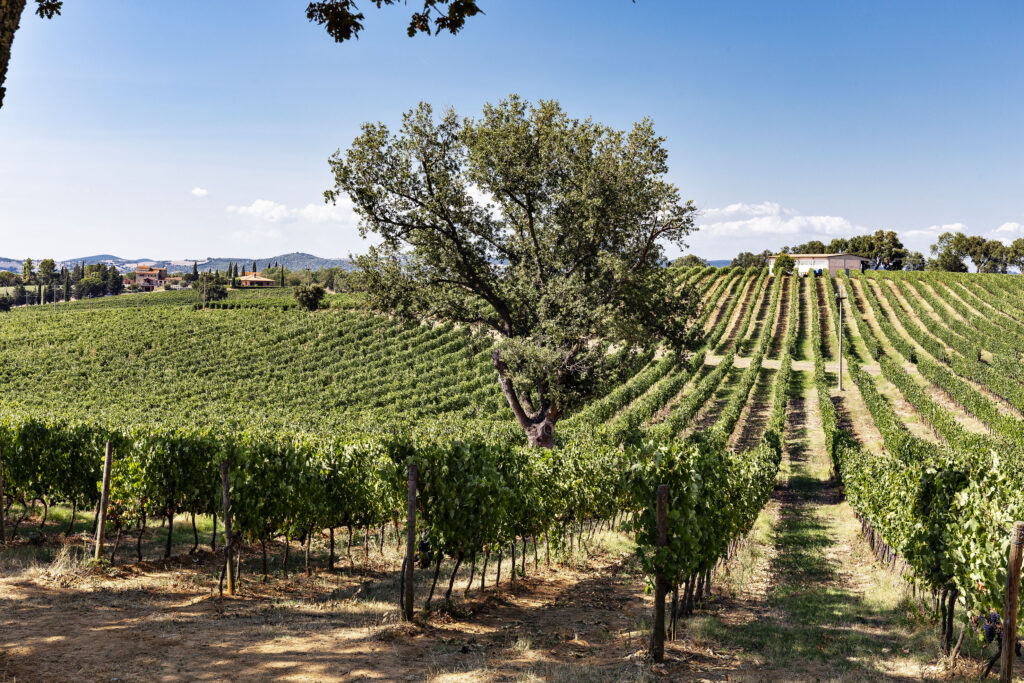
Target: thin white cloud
x=342, y=212
x=200, y=192
x=264, y=210
x=934, y=231
x=744, y=210
x=270, y=211
x=1009, y=230
x=771, y=218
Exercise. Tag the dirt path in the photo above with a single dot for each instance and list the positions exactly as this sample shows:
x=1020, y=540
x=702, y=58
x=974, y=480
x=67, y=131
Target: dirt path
x=746, y=345
x=721, y=295
x=587, y=619
x=781, y=321
x=756, y=413
x=823, y=609
x=804, y=350
x=830, y=346
x=712, y=408
x=732, y=327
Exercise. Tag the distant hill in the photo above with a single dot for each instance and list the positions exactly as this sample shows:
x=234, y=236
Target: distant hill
x=294, y=261
x=719, y=264
x=10, y=264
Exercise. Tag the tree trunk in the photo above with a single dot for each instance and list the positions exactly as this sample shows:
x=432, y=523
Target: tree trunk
x=437, y=572
x=10, y=18
x=309, y=542
x=539, y=425
x=541, y=434
x=71, y=525
x=472, y=572
x=451, y=581
x=117, y=542
x=287, y=546
x=195, y=536
x=170, y=535
x=213, y=537
x=947, y=643
x=348, y=550
x=138, y=542
x=942, y=620
x=330, y=557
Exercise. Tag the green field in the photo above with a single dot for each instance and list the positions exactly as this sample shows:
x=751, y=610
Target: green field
x=318, y=415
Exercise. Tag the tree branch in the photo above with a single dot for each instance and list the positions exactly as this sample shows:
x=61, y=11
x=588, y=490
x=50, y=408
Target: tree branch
x=510, y=394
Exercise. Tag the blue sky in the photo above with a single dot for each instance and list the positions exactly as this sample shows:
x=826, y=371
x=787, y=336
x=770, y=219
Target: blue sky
x=193, y=129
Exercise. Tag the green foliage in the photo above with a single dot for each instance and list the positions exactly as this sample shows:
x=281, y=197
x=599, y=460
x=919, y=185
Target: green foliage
x=988, y=255
x=945, y=507
x=784, y=265
x=210, y=287
x=689, y=261
x=343, y=21
x=544, y=228
x=747, y=259
x=309, y=296
x=479, y=486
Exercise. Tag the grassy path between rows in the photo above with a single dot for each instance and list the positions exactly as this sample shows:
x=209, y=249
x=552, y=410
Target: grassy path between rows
x=814, y=604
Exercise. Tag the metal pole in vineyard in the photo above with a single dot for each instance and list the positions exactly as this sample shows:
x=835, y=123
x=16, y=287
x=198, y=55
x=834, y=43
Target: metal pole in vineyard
x=1010, y=608
x=658, y=635
x=839, y=302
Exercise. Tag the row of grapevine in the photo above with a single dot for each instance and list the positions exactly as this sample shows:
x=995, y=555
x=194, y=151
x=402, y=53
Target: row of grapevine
x=714, y=494
x=944, y=508
x=961, y=355
x=935, y=414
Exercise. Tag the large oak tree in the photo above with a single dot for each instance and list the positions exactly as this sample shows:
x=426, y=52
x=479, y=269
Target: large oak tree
x=546, y=230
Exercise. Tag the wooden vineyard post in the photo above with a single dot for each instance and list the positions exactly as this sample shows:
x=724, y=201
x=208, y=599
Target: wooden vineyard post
x=229, y=546
x=101, y=522
x=410, y=544
x=658, y=635
x=1010, y=608
x=3, y=500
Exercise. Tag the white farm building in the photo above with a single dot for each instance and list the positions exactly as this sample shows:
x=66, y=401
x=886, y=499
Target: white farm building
x=817, y=262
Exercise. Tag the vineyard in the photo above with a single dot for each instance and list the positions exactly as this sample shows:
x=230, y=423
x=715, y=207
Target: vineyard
x=310, y=422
